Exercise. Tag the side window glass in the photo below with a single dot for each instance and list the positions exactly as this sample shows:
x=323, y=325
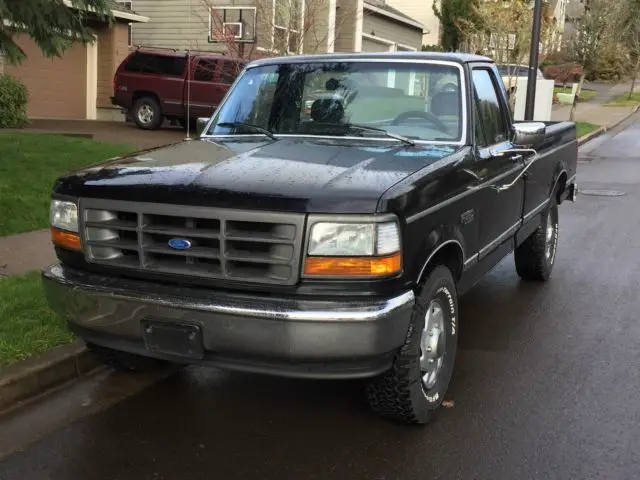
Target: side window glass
x=156, y=64
x=228, y=72
x=205, y=70
x=488, y=108
x=481, y=140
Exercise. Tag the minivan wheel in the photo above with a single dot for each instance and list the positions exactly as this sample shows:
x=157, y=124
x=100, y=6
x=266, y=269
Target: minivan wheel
x=147, y=113
x=413, y=389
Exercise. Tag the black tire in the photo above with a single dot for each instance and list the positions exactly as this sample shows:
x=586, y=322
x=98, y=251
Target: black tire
x=400, y=394
x=147, y=113
x=536, y=256
x=124, y=361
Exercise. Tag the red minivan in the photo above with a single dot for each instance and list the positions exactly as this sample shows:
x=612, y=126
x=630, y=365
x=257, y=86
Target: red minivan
x=151, y=85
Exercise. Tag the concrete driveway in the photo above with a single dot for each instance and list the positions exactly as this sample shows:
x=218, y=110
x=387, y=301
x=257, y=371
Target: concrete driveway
x=115, y=132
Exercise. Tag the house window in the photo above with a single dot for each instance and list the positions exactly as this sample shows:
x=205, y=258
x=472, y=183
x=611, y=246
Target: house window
x=127, y=5
x=288, y=18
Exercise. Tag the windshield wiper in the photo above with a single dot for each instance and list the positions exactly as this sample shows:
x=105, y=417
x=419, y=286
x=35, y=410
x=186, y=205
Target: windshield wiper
x=406, y=140
x=255, y=128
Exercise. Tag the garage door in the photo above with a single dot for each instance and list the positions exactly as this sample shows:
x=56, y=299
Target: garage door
x=369, y=45
x=57, y=87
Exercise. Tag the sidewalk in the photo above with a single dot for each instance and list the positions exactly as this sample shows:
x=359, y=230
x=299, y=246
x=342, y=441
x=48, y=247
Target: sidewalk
x=25, y=252
x=594, y=111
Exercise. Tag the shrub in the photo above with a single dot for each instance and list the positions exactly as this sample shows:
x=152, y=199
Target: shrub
x=565, y=73
x=554, y=59
x=13, y=103
x=432, y=48
x=612, y=64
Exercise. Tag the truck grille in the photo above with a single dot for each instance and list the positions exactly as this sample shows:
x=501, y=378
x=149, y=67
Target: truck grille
x=250, y=246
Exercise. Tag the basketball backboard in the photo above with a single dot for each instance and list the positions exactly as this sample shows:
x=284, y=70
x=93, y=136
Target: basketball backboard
x=232, y=24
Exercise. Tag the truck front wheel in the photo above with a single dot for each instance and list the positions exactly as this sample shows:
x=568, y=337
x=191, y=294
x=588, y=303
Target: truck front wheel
x=537, y=254
x=414, y=388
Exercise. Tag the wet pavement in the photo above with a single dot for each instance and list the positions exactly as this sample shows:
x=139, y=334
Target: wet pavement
x=546, y=386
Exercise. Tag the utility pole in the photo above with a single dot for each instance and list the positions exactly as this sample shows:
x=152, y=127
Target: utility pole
x=533, y=61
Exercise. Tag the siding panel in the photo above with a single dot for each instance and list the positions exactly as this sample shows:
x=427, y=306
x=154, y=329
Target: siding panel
x=421, y=11
x=173, y=24
x=346, y=21
x=391, y=30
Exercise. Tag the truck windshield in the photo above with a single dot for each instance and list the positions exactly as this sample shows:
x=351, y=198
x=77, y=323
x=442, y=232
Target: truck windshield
x=419, y=101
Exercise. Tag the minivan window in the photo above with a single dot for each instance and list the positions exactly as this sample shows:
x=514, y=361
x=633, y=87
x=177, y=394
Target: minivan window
x=421, y=101
x=156, y=64
x=228, y=72
x=205, y=70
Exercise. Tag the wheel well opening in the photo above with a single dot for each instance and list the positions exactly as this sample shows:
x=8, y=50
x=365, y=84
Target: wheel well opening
x=451, y=257
x=561, y=184
x=142, y=93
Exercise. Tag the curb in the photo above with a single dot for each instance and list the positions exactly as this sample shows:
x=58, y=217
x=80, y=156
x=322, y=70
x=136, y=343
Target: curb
x=26, y=379
x=590, y=136
x=47, y=132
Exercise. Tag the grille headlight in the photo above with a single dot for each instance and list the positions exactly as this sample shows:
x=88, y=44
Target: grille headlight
x=64, y=215
x=353, y=249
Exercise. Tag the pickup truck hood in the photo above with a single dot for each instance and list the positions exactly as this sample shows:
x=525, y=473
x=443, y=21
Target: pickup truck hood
x=291, y=174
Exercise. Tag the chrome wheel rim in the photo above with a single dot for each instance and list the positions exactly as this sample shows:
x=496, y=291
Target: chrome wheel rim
x=145, y=114
x=549, y=237
x=432, y=344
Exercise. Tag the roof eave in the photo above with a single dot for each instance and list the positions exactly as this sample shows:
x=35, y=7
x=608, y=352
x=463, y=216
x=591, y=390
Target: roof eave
x=118, y=14
x=381, y=11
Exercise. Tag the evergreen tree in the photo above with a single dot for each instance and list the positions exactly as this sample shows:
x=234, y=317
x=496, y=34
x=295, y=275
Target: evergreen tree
x=51, y=24
x=453, y=14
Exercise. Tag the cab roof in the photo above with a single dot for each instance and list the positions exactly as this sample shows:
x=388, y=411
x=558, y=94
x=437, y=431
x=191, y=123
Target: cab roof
x=460, y=58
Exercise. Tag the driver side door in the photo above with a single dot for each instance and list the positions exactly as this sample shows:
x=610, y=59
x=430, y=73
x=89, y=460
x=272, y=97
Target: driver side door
x=500, y=211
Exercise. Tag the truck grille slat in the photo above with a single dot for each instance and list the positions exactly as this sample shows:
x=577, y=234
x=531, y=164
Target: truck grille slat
x=247, y=246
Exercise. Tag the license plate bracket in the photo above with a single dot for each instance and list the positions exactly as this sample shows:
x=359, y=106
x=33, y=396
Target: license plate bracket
x=181, y=340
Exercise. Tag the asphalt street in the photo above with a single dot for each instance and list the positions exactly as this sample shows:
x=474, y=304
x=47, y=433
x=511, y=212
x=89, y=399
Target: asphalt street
x=547, y=384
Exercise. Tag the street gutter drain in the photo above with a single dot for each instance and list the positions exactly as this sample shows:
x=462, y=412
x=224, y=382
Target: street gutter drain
x=602, y=193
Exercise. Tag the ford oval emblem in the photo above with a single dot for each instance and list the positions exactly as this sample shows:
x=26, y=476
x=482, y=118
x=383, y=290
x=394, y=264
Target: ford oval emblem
x=179, y=243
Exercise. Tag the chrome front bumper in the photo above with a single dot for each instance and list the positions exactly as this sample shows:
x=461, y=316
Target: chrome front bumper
x=343, y=338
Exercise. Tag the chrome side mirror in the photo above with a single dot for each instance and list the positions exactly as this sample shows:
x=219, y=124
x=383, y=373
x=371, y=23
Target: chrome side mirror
x=201, y=124
x=529, y=134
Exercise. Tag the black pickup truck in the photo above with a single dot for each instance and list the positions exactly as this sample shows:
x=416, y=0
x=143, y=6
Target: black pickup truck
x=323, y=225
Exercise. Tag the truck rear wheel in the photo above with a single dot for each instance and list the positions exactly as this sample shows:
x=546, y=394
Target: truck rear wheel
x=147, y=113
x=537, y=254
x=414, y=388
x=124, y=361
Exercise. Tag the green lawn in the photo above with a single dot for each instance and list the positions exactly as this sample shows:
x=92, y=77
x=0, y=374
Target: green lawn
x=584, y=128
x=30, y=163
x=27, y=325
x=625, y=101
x=584, y=96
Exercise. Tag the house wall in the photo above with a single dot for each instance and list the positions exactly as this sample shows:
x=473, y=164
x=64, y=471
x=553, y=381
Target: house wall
x=112, y=49
x=317, y=38
x=182, y=24
x=421, y=11
x=57, y=86
x=349, y=15
x=388, y=29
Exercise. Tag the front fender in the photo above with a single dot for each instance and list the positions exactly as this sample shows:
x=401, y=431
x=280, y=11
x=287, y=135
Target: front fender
x=437, y=239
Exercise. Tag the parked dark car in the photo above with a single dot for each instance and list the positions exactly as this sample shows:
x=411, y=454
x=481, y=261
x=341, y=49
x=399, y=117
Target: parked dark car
x=151, y=85
x=331, y=245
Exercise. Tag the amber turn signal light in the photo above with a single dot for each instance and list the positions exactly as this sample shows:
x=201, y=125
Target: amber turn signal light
x=353, y=267
x=65, y=239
